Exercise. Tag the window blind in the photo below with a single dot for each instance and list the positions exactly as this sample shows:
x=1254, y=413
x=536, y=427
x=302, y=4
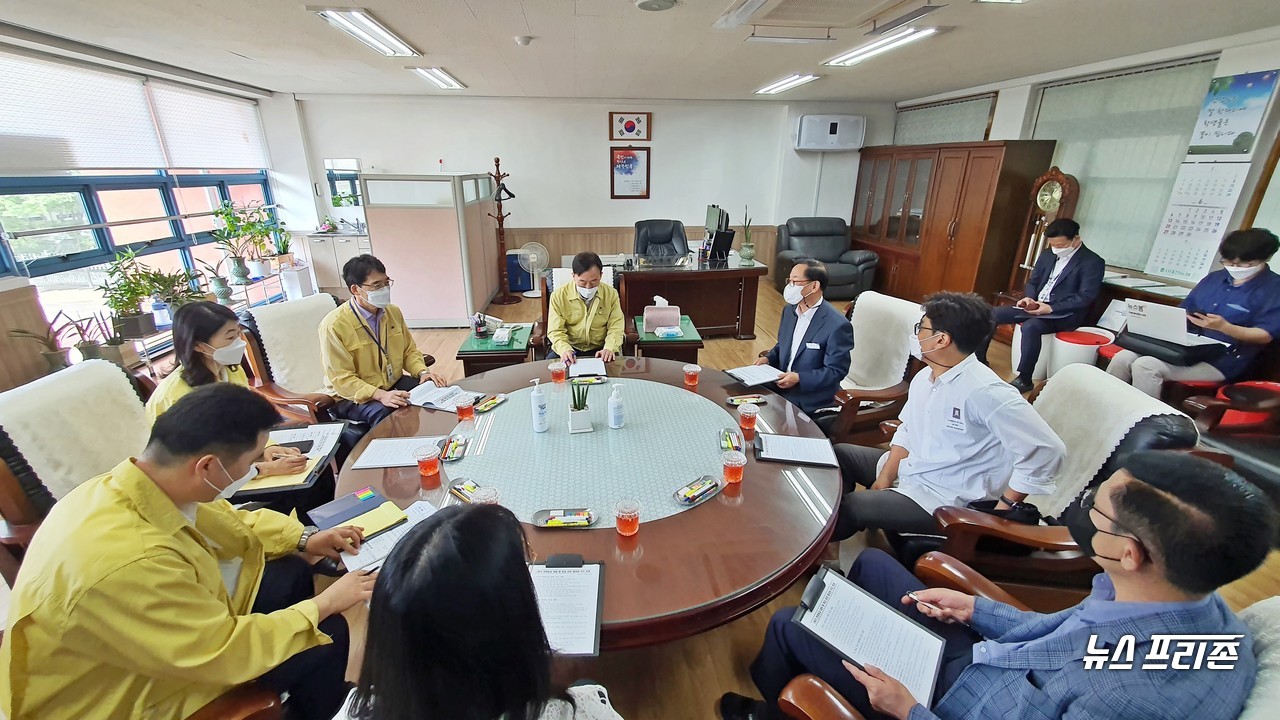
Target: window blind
x=207, y=130
x=1123, y=136
x=958, y=121
x=56, y=116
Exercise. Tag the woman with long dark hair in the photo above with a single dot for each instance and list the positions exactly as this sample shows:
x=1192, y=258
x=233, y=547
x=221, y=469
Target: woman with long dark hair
x=209, y=347
x=455, y=632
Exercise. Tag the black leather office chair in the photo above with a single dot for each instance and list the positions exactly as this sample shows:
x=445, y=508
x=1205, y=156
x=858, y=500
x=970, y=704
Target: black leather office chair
x=827, y=239
x=661, y=237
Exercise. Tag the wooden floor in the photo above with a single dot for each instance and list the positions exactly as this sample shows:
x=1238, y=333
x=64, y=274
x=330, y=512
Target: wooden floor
x=684, y=679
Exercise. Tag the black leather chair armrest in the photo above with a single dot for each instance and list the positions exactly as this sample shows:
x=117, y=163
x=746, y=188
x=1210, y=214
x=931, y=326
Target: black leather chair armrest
x=859, y=257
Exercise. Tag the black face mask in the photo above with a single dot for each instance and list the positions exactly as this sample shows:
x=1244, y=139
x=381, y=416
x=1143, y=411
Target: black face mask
x=1083, y=532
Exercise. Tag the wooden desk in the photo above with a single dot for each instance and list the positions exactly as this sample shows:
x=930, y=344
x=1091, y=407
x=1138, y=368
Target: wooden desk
x=719, y=297
x=680, y=575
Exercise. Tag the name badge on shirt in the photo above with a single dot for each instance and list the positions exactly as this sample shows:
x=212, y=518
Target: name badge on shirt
x=956, y=421
x=812, y=346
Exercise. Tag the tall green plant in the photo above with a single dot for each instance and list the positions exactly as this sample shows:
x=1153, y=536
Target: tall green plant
x=246, y=229
x=124, y=289
x=746, y=226
x=173, y=288
x=579, y=400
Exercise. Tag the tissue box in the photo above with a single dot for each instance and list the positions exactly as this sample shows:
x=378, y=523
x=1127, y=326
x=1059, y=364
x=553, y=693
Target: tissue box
x=669, y=331
x=656, y=316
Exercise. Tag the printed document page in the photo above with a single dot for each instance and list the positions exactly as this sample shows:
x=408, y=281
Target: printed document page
x=815, y=451
x=324, y=436
x=866, y=631
x=584, y=367
x=569, y=600
x=376, y=550
x=392, y=452
x=440, y=398
x=751, y=375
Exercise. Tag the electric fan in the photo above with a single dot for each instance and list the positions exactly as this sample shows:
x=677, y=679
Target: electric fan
x=533, y=260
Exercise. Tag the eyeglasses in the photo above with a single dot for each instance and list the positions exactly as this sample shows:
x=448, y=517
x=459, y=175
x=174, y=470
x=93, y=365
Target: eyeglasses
x=1241, y=263
x=379, y=286
x=1088, y=503
x=920, y=326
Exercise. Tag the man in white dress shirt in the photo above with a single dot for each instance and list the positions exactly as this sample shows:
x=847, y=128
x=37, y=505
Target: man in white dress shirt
x=966, y=434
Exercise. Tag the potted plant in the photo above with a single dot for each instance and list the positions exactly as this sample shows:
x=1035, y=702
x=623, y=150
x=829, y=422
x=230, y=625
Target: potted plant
x=341, y=199
x=113, y=346
x=217, y=284
x=746, y=253
x=579, y=417
x=327, y=225
x=51, y=339
x=124, y=292
x=89, y=348
x=169, y=291
x=282, y=239
x=243, y=235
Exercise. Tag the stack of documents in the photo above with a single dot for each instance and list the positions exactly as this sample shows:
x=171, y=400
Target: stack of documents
x=375, y=550
x=584, y=367
x=569, y=602
x=795, y=450
x=392, y=452
x=751, y=375
x=427, y=395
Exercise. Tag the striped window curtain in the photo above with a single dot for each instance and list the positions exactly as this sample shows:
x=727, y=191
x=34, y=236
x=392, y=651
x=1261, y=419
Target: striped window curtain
x=1123, y=137
x=963, y=120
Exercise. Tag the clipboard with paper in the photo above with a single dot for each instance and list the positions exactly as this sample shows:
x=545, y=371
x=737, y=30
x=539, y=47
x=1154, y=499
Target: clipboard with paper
x=862, y=629
x=571, y=601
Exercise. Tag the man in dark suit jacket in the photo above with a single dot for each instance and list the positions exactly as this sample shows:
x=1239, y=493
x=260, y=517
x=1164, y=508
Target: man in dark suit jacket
x=814, y=341
x=1059, y=293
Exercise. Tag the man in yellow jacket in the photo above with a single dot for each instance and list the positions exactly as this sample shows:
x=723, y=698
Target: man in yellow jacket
x=145, y=594
x=585, y=316
x=367, y=348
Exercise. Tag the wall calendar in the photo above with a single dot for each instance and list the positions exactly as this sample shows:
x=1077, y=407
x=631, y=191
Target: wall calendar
x=1196, y=219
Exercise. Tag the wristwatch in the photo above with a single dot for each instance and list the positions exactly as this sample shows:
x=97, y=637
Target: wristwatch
x=307, y=532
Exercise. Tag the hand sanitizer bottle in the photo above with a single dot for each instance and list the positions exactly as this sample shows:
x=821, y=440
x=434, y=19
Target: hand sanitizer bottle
x=615, y=407
x=540, y=419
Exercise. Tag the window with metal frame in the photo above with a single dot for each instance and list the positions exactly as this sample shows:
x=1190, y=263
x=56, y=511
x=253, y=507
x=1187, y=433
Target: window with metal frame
x=1123, y=136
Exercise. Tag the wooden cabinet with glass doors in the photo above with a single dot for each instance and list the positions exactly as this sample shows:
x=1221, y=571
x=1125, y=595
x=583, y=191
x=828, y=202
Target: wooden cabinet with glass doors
x=945, y=217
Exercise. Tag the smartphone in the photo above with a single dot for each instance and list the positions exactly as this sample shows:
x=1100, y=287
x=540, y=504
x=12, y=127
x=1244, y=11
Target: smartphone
x=302, y=446
x=737, y=400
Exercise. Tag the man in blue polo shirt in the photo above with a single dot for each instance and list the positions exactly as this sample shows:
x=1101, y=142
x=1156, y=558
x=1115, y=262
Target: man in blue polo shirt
x=1239, y=304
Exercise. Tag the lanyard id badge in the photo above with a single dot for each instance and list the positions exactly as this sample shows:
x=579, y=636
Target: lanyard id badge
x=384, y=356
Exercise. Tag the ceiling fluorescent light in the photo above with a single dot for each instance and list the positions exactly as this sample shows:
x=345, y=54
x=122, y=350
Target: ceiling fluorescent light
x=1002, y=2
x=738, y=15
x=894, y=24
x=786, y=83
x=442, y=79
x=753, y=37
x=359, y=24
x=898, y=39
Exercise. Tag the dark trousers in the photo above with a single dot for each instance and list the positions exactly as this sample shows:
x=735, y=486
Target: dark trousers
x=316, y=678
x=1033, y=331
x=884, y=509
x=372, y=412
x=789, y=650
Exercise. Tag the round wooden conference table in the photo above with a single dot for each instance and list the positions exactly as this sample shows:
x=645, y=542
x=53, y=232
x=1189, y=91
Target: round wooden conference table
x=684, y=573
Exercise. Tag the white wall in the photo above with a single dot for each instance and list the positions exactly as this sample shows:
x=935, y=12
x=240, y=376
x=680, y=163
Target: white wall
x=732, y=153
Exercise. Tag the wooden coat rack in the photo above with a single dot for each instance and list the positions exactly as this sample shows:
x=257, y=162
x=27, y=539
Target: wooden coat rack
x=504, y=282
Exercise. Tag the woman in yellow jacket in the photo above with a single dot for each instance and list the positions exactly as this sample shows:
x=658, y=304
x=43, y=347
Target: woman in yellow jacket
x=209, y=348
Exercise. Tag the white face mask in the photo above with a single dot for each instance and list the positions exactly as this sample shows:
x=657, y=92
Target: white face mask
x=226, y=492
x=1242, y=273
x=379, y=298
x=1063, y=252
x=793, y=294
x=913, y=343
x=587, y=293
x=232, y=354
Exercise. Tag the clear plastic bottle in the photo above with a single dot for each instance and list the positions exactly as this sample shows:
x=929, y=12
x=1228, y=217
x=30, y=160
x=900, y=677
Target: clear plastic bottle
x=541, y=421
x=615, y=407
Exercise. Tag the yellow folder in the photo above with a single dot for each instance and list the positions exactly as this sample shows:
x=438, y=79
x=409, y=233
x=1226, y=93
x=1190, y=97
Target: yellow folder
x=383, y=517
x=282, y=481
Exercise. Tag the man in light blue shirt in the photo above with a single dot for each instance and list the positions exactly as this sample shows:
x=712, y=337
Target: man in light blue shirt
x=1168, y=530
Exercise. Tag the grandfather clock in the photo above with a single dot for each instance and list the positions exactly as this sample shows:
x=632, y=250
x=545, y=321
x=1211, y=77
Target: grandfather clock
x=1053, y=195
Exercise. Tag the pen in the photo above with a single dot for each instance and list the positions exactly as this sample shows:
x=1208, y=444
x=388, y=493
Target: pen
x=925, y=603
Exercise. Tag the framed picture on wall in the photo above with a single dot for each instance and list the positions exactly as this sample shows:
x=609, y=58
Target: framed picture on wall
x=630, y=126
x=629, y=173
